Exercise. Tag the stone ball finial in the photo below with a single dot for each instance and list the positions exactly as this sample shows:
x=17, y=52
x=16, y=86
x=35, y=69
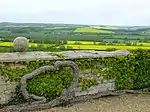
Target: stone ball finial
x=20, y=44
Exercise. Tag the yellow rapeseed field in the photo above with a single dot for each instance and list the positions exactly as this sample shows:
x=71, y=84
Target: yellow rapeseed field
x=8, y=44
x=104, y=47
x=85, y=45
x=82, y=42
x=92, y=43
x=91, y=30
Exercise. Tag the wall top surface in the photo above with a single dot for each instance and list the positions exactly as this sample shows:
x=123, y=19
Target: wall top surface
x=32, y=56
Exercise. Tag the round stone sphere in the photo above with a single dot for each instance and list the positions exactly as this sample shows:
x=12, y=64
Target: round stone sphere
x=20, y=44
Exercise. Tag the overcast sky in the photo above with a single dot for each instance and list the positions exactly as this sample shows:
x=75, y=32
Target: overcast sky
x=100, y=12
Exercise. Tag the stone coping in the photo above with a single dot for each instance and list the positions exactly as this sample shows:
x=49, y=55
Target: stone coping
x=40, y=55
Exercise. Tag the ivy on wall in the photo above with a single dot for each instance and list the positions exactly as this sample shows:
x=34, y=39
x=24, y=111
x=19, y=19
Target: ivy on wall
x=129, y=72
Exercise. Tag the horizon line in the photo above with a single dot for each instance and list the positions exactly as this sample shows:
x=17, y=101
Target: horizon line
x=69, y=23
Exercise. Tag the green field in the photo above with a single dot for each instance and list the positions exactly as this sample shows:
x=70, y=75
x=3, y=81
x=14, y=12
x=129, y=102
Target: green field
x=71, y=36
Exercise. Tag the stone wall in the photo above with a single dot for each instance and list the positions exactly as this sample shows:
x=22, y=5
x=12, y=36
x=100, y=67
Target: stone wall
x=107, y=85
x=7, y=88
